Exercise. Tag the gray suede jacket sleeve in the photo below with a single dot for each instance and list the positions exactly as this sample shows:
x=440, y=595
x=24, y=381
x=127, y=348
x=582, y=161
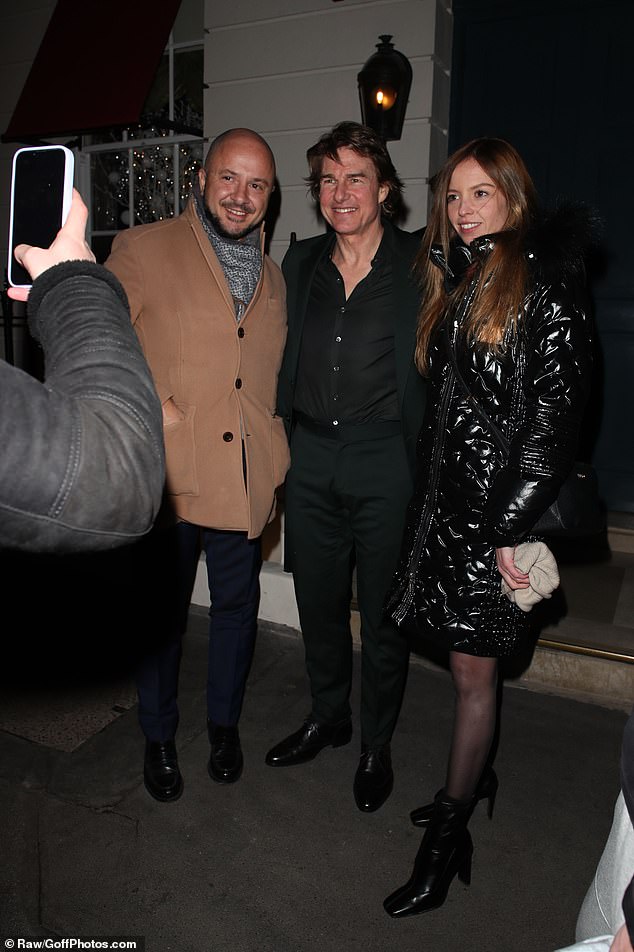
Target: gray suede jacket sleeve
x=81, y=460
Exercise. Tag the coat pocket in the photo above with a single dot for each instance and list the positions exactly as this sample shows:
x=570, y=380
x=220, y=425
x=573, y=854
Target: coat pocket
x=180, y=453
x=280, y=455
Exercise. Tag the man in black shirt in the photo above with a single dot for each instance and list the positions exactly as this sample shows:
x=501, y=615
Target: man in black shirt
x=353, y=403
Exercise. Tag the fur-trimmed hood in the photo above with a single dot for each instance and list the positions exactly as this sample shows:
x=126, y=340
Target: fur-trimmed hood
x=556, y=245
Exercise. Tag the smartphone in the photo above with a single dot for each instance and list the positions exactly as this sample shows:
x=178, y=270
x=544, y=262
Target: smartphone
x=41, y=194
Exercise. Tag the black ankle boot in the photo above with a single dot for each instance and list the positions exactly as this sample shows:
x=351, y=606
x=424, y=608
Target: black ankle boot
x=486, y=790
x=446, y=850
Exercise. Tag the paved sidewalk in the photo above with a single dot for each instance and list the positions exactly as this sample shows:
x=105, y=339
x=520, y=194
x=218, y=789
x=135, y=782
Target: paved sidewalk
x=283, y=861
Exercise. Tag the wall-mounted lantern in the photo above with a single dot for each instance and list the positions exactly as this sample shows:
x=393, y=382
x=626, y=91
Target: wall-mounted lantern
x=384, y=85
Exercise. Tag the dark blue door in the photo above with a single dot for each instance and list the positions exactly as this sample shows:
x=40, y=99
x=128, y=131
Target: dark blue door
x=556, y=78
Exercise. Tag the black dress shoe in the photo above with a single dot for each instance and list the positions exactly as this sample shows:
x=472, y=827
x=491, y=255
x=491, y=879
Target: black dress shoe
x=306, y=743
x=225, y=761
x=161, y=775
x=374, y=778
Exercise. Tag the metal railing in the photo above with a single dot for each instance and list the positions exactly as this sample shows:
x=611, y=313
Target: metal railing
x=590, y=651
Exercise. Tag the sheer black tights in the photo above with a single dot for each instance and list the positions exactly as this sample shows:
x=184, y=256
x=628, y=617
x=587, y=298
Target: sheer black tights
x=475, y=682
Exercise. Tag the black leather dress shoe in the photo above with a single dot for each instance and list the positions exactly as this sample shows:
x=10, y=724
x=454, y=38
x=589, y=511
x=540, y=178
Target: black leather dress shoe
x=374, y=778
x=306, y=743
x=225, y=761
x=161, y=775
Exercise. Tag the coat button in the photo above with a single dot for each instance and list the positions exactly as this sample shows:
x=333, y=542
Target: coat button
x=227, y=437
x=241, y=332
x=238, y=383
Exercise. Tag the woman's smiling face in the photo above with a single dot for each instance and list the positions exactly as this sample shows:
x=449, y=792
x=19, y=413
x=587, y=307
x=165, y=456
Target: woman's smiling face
x=475, y=204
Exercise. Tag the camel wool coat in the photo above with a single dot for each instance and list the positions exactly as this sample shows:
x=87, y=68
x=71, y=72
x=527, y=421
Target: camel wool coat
x=220, y=373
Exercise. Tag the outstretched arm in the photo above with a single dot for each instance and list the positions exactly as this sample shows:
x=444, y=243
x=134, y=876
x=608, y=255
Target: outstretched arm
x=82, y=465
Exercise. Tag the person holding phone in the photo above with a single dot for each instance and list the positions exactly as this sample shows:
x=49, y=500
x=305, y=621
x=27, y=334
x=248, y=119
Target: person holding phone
x=41, y=195
x=82, y=462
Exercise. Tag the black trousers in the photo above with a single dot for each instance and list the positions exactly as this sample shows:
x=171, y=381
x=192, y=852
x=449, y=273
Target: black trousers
x=345, y=504
x=233, y=570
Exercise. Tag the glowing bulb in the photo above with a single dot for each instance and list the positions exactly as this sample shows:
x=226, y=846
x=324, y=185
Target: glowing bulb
x=385, y=98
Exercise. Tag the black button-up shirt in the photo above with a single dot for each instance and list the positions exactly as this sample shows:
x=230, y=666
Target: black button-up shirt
x=347, y=370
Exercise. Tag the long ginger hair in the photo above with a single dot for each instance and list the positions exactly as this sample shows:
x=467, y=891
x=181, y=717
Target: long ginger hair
x=502, y=283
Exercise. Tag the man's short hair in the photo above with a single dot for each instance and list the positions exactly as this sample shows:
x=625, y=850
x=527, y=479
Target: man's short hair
x=364, y=141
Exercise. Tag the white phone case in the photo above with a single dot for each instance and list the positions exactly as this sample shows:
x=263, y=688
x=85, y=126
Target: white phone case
x=66, y=199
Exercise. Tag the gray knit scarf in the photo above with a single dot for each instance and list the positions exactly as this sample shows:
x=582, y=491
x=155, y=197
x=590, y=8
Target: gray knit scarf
x=241, y=260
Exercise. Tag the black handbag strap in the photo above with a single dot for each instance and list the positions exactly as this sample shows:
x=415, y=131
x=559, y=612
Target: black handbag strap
x=498, y=437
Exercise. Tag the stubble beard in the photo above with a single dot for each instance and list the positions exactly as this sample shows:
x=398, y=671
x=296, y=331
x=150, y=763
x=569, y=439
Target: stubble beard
x=222, y=231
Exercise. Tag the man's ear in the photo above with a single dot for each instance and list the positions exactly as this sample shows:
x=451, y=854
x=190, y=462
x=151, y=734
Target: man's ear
x=202, y=178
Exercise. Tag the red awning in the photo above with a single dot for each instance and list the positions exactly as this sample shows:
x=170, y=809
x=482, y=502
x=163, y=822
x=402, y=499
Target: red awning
x=94, y=67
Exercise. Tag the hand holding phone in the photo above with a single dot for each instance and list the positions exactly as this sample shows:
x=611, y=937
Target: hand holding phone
x=41, y=192
x=69, y=245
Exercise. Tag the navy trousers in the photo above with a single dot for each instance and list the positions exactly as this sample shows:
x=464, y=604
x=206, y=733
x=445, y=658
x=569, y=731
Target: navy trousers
x=233, y=572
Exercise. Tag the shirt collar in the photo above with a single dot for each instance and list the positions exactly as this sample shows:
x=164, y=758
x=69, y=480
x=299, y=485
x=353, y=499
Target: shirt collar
x=385, y=250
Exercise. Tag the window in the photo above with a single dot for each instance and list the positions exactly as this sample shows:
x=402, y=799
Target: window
x=144, y=173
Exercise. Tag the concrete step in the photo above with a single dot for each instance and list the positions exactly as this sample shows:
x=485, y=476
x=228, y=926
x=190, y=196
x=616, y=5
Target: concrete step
x=586, y=647
x=590, y=678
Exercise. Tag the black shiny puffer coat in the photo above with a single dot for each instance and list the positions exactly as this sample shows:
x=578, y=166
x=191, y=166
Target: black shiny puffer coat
x=467, y=498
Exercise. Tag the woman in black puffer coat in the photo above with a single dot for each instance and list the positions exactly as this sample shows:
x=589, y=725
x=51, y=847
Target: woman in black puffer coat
x=504, y=290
